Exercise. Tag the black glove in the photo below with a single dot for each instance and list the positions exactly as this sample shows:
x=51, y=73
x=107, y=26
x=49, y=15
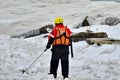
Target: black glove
x=48, y=46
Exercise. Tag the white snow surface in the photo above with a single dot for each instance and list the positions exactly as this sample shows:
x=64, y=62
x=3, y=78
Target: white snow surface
x=89, y=62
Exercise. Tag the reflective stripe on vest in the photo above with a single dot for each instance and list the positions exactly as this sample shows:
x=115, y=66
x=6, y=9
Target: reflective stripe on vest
x=62, y=37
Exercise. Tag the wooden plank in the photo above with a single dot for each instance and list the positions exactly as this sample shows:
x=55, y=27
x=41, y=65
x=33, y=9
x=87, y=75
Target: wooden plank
x=99, y=41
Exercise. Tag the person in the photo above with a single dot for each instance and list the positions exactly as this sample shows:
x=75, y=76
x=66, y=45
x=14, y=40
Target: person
x=59, y=38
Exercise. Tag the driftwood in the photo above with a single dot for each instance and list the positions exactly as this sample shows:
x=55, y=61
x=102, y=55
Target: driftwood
x=84, y=35
x=35, y=32
x=100, y=41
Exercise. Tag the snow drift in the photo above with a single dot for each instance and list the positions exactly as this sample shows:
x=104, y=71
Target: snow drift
x=89, y=62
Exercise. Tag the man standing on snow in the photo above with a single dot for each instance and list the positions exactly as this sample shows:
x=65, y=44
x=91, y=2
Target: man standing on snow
x=59, y=38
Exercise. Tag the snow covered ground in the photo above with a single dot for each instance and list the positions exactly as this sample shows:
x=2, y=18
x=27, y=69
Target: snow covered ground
x=89, y=62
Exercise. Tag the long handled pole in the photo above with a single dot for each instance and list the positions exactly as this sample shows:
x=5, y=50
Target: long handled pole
x=23, y=71
x=71, y=46
x=71, y=49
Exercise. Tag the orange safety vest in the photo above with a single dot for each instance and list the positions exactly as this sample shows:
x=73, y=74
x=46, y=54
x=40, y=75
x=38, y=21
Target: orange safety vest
x=62, y=37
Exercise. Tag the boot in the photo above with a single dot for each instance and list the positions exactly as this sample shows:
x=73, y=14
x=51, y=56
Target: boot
x=55, y=75
x=66, y=79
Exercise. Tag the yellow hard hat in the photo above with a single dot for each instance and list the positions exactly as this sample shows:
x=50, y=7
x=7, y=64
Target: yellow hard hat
x=58, y=20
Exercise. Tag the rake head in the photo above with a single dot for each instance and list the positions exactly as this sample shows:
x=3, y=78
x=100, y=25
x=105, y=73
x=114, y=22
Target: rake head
x=23, y=71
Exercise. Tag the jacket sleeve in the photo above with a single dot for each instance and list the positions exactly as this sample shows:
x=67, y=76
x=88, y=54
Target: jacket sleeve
x=50, y=41
x=52, y=34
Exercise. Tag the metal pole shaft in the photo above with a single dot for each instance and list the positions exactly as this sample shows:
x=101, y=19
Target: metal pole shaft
x=33, y=62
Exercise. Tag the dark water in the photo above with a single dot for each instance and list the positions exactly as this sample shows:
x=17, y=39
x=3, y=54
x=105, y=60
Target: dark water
x=107, y=0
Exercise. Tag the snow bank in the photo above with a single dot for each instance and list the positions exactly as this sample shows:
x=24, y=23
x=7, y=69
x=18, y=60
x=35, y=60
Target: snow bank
x=89, y=62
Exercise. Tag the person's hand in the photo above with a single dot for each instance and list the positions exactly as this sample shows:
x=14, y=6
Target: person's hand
x=48, y=46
